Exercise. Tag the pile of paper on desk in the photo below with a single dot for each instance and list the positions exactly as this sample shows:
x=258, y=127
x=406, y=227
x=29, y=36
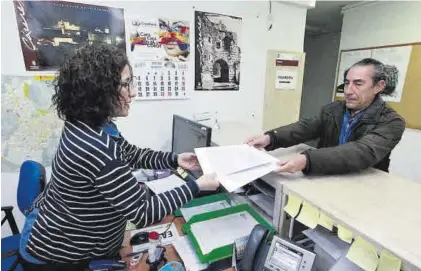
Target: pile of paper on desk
x=187, y=253
x=209, y=207
x=235, y=165
x=165, y=184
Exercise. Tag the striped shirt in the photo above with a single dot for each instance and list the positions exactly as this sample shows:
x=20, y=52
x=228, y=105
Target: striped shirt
x=92, y=194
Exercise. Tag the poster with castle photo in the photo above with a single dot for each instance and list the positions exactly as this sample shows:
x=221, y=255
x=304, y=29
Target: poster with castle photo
x=50, y=30
x=217, y=52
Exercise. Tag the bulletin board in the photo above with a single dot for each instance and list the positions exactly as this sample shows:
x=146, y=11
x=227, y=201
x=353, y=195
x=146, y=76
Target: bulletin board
x=407, y=102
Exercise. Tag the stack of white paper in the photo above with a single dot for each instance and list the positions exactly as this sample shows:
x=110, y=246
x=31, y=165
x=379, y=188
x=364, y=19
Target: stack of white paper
x=165, y=184
x=222, y=231
x=187, y=253
x=214, y=206
x=235, y=165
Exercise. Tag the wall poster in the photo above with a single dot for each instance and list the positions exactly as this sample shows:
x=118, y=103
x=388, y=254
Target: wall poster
x=159, y=53
x=218, y=51
x=50, y=30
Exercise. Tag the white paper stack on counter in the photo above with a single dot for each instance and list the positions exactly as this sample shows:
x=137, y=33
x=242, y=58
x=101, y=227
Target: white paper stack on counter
x=210, y=207
x=221, y=231
x=235, y=165
x=165, y=184
x=187, y=253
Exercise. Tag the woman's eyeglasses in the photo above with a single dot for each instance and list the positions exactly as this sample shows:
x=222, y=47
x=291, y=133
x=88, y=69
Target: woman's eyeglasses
x=128, y=84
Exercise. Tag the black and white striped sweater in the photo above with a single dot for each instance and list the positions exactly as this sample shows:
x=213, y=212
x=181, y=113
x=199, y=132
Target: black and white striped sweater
x=92, y=194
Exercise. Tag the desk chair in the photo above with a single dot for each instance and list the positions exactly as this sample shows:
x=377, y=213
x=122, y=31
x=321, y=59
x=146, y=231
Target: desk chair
x=31, y=184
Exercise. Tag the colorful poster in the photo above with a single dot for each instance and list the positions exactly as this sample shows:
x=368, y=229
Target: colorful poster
x=218, y=51
x=159, y=53
x=50, y=30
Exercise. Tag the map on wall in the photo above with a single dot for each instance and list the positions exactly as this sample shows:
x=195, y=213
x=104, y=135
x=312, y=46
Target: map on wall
x=30, y=128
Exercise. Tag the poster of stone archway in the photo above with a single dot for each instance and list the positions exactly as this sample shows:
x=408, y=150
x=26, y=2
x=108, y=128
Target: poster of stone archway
x=217, y=52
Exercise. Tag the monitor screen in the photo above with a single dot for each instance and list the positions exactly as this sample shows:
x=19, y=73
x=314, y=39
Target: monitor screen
x=188, y=135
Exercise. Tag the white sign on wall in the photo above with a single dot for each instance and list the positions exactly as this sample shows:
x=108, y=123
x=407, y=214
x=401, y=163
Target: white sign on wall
x=286, y=79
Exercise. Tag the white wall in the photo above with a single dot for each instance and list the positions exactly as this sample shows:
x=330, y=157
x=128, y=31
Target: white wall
x=384, y=23
x=149, y=123
x=319, y=72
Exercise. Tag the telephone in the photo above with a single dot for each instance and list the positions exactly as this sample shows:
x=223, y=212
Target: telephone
x=268, y=252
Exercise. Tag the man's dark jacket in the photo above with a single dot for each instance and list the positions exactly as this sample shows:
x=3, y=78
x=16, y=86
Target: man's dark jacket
x=372, y=138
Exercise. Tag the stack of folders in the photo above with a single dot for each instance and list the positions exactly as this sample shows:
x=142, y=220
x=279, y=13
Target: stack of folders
x=235, y=165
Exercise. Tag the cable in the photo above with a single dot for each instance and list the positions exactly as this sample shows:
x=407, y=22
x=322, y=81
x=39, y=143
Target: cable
x=269, y=18
x=169, y=225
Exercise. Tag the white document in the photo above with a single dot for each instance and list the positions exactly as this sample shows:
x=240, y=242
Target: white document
x=165, y=184
x=191, y=211
x=232, y=159
x=286, y=79
x=189, y=256
x=166, y=236
x=244, y=168
x=222, y=231
x=398, y=57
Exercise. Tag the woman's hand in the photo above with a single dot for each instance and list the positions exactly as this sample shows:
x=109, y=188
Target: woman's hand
x=208, y=182
x=188, y=161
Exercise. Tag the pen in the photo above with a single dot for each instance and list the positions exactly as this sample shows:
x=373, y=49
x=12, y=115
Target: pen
x=134, y=253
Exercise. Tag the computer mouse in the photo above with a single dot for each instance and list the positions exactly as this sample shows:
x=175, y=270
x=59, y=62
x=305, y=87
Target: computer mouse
x=139, y=238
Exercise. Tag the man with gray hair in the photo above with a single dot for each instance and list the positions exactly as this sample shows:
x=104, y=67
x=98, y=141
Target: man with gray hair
x=354, y=134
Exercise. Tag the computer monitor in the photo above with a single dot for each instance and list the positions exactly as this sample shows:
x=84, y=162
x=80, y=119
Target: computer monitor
x=188, y=135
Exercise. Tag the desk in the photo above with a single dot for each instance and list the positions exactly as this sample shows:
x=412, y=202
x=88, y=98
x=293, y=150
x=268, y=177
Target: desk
x=382, y=208
x=171, y=254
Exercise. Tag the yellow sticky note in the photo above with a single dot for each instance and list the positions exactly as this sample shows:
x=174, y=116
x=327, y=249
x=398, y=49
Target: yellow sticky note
x=345, y=234
x=388, y=262
x=325, y=221
x=363, y=254
x=44, y=77
x=293, y=206
x=309, y=215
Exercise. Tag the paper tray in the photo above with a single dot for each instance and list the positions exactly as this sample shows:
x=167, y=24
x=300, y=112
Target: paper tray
x=203, y=201
x=225, y=251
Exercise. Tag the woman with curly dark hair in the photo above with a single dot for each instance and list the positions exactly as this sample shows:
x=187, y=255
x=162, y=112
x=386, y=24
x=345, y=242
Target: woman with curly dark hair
x=82, y=213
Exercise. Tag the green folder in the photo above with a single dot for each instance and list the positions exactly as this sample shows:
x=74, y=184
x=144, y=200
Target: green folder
x=204, y=200
x=225, y=251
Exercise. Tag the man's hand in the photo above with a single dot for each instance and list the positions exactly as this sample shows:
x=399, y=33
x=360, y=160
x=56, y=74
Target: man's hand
x=295, y=164
x=188, y=161
x=258, y=142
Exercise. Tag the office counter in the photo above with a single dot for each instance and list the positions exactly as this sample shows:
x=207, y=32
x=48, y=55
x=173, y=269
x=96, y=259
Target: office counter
x=384, y=209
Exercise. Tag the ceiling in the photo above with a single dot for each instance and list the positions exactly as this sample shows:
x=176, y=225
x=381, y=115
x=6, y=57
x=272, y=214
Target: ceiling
x=325, y=18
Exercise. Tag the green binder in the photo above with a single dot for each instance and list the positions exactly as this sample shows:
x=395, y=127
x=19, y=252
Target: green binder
x=225, y=251
x=204, y=200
